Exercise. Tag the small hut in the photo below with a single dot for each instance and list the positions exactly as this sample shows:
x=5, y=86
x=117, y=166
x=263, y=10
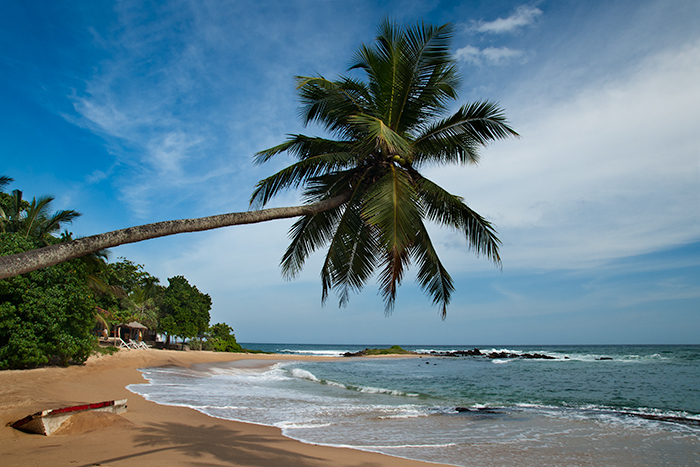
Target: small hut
x=133, y=330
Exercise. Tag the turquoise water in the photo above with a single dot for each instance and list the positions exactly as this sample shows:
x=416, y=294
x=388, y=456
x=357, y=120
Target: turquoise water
x=640, y=405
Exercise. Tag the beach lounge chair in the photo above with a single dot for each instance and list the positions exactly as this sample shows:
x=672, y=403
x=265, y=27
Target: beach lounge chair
x=122, y=344
x=140, y=345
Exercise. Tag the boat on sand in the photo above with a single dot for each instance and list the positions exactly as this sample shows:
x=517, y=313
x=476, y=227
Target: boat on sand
x=48, y=421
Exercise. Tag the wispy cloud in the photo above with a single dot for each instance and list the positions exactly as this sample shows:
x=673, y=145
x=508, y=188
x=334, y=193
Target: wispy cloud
x=524, y=16
x=492, y=55
x=190, y=94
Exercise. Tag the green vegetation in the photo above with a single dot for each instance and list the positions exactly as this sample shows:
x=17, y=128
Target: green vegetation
x=185, y=309
x=109, y=350
x=387, y=126
x=393, y=350
x=222, y=339
x=31, y=219
x=48, y=316
x=45, y=316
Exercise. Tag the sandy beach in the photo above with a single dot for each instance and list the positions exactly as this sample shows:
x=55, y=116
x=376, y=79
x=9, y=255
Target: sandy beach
x=148, y=434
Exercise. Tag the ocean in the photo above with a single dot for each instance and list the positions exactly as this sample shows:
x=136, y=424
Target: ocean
x=615, y=405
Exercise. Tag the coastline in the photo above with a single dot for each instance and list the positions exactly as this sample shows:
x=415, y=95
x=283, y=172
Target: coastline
x=148, y=432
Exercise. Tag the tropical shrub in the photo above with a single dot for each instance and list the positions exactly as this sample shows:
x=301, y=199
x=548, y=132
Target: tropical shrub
x=222, y=339
x=46, y=316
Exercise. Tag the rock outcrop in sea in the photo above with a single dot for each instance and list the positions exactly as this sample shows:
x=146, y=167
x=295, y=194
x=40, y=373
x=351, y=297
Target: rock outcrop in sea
x=454, y=353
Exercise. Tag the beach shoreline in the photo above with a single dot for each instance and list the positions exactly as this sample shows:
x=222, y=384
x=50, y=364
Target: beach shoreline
x=149, y=433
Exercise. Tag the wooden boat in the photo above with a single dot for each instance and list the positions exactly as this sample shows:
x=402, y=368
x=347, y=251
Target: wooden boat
x=48, y=421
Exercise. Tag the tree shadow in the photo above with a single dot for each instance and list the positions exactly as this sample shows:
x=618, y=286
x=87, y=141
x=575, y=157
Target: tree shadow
x=221, y=442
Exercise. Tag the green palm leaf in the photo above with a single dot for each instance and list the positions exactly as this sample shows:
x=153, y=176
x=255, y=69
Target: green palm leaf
x=392, y=208
x=449, y=210
x=351, y=256
x=432, y=275
x=4, y=181
x=296, y=175
x=457, y=138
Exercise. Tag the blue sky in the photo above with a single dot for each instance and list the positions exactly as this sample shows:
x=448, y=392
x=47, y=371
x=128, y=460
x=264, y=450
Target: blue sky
x=134, y=112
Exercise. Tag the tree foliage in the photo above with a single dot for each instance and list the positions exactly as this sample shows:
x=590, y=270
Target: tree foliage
x=386, y=127
x=33, y=219
x=45, y=316
x=222, y=339
x=185, y=309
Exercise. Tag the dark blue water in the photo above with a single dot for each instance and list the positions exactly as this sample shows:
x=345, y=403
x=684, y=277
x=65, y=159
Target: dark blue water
x=590, y=405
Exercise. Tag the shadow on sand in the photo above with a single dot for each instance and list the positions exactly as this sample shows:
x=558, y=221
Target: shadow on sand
x=222, y=443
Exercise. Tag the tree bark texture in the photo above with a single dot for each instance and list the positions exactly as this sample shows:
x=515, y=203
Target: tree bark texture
x=32, y=260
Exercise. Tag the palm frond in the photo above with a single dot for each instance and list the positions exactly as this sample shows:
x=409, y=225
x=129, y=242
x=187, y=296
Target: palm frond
x=410, y=72
x=393, y=267
x=303, y=147
x=458, y=137
x=35, y=215
x=432, y=275
x=53, y=222
x=308, y=234
x=4, y=181
x=329, y=103
x=429, y=76
x=298, y=174
x=449, y=210
x=385, y=139
x=393, y=209
x=351, y=256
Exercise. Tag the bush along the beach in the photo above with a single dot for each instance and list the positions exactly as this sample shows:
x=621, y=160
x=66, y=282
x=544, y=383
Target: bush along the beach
x=222, y=339
x=45, y=316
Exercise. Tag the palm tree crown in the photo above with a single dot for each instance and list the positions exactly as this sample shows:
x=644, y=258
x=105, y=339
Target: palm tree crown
x=33, y=219
x=385, y=128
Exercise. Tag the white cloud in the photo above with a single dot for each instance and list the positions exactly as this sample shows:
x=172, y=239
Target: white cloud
x=524, y=15
x=493, y=55
x=468, y=54
x=611, y=172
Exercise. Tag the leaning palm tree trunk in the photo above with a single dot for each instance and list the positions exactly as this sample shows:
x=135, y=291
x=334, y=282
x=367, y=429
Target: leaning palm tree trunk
x=32, y=260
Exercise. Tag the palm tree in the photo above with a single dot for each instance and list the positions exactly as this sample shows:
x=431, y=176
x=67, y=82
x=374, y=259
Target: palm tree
x=364, y=195
x=4, y=181
x=386, y=127
x=34, y=219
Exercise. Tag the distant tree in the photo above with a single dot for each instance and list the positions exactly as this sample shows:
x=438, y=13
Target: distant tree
x=185, y=309
x=34, y=219
x=4, y=181
x=4, y=199
x=130, y=276
x=46, y=316
x=138, y=294
x=144, y=303
x=222, y=339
